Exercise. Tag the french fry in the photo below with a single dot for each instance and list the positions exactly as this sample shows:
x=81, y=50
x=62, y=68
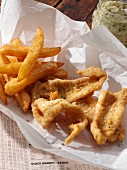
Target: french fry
x=61, y=73
x=12, y=59
x=4, y=60
x=2, y=93
x=6, y=78
x=13, y=62
x=50, y=77
x=2, y=80
x=2, y=90
x=59, y=64
x=13, y=50
x=32, y=56
x=22, y=97
x=39, y=72
x=24, y=100
x=21, y=51
x=16, y=42
x=11, y=68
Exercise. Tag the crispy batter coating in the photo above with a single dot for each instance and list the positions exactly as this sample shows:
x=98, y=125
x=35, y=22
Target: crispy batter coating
x=60, y=73
x=91, y=72
x=88, y=104
x=35, y=94
x=45, y=112
x=119, y=134
x=109, y=111
x=73, y=90
x=53, y=95
x=76, y=129
x=74, y=98
x=48, y=110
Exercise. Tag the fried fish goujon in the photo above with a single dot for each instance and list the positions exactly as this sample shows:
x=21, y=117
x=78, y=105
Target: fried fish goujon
x=48, y=110
x=88, y=104
x=73, y=90
x=45, y=112
x=106, y=124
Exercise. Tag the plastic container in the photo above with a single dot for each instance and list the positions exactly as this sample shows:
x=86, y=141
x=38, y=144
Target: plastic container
x=113, y=15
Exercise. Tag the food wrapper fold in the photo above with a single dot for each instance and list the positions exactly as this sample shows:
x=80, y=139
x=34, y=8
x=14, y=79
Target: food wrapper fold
x=81, y=48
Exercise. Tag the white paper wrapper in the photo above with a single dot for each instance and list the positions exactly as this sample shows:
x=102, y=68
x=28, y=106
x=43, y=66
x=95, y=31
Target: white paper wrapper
x=81, y=48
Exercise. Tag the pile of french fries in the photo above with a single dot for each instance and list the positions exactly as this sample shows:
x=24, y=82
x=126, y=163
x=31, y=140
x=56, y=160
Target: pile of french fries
x=20, y=68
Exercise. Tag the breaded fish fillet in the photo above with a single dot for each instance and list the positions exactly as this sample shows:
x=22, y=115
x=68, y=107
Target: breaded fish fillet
x=48, y=110
x=45, y=112
x=88, y=104
x=73, y=90
x=108, y=114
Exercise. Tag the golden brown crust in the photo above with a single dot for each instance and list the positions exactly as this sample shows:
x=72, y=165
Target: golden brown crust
x=109, y=111
x=76, y=129
x=73, y=90
x=88, y=104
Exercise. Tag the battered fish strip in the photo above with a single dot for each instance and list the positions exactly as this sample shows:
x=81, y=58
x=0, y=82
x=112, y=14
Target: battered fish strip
x=88, y=104
x=119, y=134
x=48, y=110
x=45, y=112
x=73, y=90
x=108, y=114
